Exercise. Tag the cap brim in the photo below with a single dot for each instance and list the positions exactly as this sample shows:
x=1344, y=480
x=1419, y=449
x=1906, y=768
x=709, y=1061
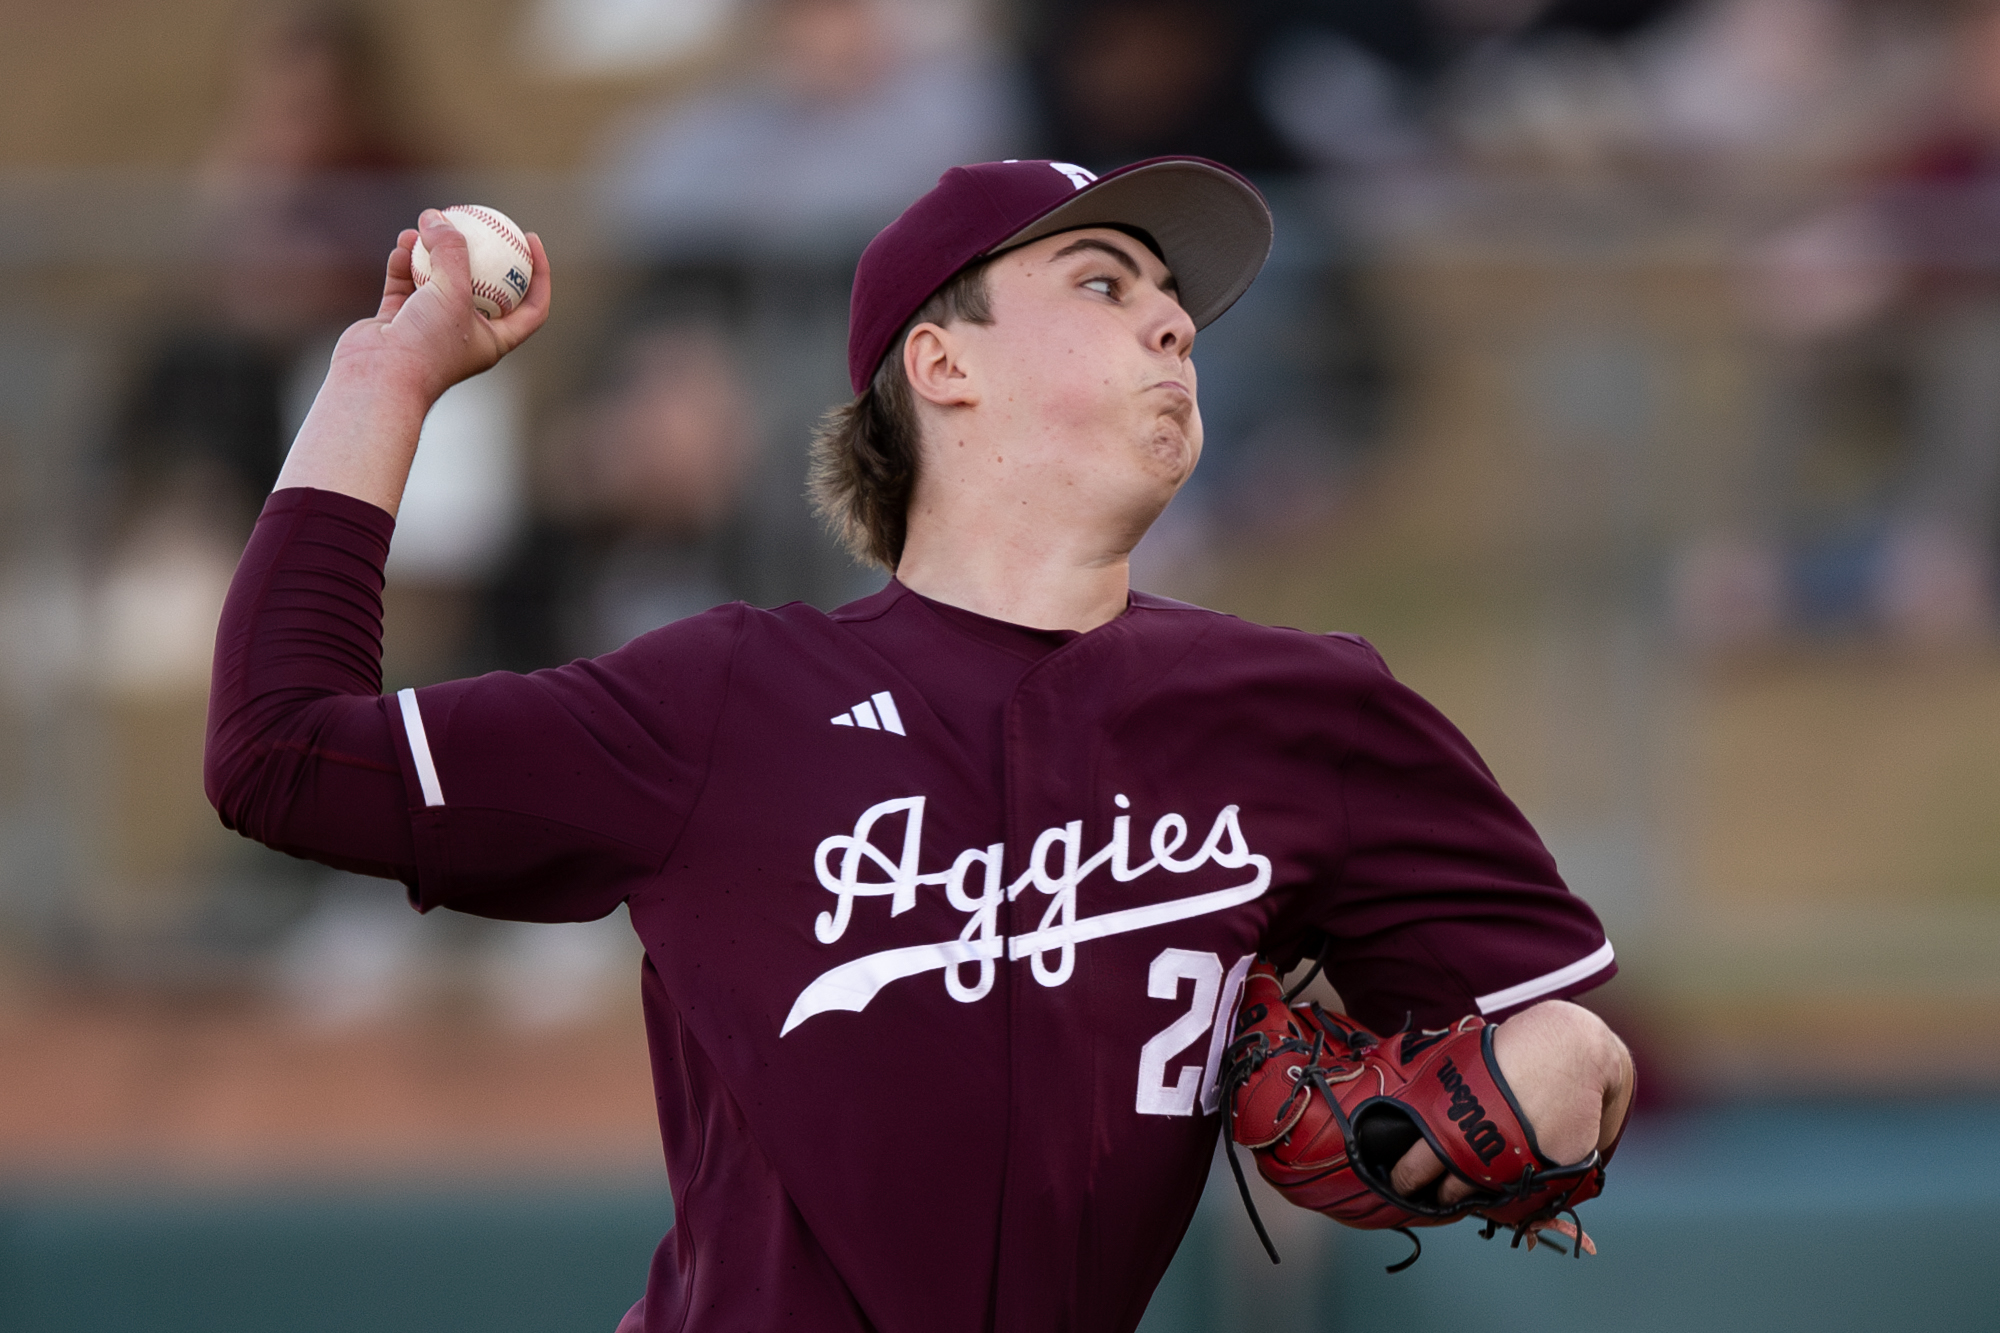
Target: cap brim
x=1212, y=226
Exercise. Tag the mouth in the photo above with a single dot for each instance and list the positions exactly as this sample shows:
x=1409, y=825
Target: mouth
x=1176, y=386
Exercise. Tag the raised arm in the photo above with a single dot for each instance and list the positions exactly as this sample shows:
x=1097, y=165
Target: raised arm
x=387, y=371
x=300, y=750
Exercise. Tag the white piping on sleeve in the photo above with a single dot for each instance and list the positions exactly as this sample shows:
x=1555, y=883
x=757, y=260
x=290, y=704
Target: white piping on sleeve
x=1552, y=981
x=420, y=748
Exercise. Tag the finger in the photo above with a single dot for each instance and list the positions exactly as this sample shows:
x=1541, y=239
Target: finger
x=514, y=326
x=444, y=302
x=1415, y=1169
x=397, y=279
x=451, y=259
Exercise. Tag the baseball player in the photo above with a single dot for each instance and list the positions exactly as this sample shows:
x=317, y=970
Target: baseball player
x=945, y=895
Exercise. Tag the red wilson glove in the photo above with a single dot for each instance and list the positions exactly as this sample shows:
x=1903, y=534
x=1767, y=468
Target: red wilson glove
x=1328, y=1108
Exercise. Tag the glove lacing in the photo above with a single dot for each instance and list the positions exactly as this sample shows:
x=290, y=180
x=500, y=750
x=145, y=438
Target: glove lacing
x=1243, y=1058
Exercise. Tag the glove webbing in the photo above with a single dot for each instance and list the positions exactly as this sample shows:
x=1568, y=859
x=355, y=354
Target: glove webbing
x=1244, y=1057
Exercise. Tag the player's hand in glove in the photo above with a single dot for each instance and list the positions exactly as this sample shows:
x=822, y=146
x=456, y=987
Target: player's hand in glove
x=1572, y=1078
x=1424, y=1128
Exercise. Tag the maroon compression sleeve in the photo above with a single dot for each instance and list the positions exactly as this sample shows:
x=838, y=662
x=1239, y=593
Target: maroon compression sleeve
x=300, y=753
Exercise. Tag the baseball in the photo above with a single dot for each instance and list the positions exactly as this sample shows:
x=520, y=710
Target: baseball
x=501, y=265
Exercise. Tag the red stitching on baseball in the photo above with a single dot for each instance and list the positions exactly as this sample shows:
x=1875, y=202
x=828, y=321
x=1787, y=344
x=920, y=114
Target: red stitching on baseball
x=500, y=227
x=498, y=295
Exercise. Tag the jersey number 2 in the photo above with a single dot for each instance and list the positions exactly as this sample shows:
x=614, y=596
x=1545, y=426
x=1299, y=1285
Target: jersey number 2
x=1209, y=1010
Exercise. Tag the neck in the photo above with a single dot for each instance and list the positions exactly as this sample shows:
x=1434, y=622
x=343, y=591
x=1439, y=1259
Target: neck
x=1033, y=571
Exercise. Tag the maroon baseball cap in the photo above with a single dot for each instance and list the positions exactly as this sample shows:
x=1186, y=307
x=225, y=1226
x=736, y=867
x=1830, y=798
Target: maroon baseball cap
x=1212, y=227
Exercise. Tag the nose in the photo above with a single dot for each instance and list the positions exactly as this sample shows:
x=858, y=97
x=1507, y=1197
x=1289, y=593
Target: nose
x=1172, y=328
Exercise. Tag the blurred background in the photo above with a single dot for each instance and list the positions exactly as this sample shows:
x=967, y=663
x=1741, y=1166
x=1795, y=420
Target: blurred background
x=1628, y=371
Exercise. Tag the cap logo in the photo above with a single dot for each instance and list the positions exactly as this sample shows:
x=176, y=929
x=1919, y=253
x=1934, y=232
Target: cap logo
x=1078, y=176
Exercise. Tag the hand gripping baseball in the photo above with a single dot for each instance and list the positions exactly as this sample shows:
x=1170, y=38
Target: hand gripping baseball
x=1332, y=1112
x=387, y=371
x=433, y=332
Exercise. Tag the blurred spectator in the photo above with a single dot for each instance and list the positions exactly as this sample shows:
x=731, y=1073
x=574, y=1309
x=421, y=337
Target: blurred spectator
x=1348, y=101
x=1751, y=92
x=646, y=484
x=849, y=107
x=617, y=37
x=1747, y=77
x=1938, y=578
x=746, y=207
x=1546, y=84
x=302, y=191
x=1611, y=20
x=302, y=174
x=1121, y=80
x=1565, y=103
x=304, y=195
x=1878, y=485
x=1272, y=85
x=1786, y=91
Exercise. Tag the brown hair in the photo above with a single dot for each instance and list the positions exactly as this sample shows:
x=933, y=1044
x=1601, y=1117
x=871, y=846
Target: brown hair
x=865, y=453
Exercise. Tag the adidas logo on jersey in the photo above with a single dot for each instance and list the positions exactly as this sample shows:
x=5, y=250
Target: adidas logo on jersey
x=875, y=713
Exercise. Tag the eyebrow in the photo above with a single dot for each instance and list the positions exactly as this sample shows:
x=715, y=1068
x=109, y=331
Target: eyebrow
x=1167, y=284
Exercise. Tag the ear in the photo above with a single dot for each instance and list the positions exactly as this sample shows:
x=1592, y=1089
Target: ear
x=935, y=363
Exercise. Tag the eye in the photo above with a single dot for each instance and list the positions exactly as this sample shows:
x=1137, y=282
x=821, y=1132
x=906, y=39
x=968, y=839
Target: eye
x=1105, y=286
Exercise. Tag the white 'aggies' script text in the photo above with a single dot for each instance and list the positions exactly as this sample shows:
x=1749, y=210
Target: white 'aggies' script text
x=974, y=884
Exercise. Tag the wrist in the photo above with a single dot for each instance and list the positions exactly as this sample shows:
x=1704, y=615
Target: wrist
x=372, y=400
x=385, y=376
x=361, y=433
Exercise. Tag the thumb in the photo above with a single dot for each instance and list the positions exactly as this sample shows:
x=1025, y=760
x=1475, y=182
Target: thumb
x=437, y=326
x=450, y=258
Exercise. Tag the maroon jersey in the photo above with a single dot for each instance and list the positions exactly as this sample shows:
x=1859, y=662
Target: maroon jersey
x=943, y=917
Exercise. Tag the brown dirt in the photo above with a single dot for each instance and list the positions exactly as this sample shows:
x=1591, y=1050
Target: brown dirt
x=129, y=1086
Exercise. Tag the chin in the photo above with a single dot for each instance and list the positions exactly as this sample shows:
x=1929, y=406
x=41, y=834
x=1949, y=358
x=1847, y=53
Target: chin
x=1171, y=455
